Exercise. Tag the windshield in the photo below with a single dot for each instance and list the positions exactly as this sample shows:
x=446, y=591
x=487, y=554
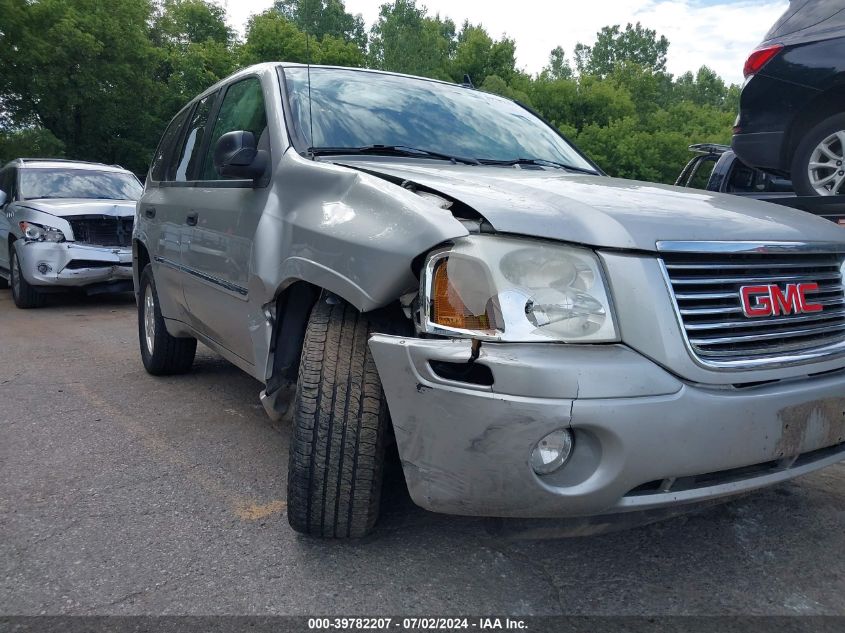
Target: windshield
x=358, y=109
x=78, y=183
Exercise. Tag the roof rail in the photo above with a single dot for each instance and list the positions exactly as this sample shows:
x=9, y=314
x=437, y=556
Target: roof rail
x=51, y=160
x=64, y=160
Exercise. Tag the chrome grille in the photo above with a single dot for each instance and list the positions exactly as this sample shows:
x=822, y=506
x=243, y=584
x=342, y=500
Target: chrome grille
x=706, y=288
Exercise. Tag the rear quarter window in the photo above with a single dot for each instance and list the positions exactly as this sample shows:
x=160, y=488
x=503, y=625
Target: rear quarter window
x=808, y=14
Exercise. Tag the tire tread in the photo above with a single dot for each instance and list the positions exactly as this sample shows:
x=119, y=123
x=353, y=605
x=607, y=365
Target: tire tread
x=171, y=355
x=337, y=447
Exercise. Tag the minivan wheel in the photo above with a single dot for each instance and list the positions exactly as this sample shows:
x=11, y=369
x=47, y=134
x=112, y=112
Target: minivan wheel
x=340, y=418
x=818, y=166
x=161, y=353
x=24, y=294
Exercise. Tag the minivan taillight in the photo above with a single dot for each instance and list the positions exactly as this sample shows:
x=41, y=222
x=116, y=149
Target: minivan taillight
x=760, y=58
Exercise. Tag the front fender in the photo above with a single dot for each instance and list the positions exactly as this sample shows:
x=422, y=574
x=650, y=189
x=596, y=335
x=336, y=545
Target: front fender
x=348, y=232
x=341, y=230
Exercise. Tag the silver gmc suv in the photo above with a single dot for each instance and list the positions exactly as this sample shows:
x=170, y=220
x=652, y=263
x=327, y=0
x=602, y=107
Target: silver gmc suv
x=404, y=260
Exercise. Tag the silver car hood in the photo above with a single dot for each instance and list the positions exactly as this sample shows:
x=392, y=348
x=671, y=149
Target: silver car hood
x=69, y=207
x=606, y=212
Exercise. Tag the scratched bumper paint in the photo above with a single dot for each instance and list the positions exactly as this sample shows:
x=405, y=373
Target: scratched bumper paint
x=70, y=264
x=465, y=448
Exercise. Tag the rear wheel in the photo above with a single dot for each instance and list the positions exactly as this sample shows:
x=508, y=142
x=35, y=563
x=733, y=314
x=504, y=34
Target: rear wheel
x=339, y=423
x=818, y=166
x=24, y=294
x=161, y=353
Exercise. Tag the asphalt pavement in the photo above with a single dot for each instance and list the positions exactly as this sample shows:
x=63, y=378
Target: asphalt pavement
x=121, y=493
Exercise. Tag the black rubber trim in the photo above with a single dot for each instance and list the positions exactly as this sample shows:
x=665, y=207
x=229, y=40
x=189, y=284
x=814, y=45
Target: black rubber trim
x=201, y=275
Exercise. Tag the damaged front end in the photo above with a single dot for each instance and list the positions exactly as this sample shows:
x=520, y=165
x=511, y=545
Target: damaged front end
x=91, y=252
x=518, y=398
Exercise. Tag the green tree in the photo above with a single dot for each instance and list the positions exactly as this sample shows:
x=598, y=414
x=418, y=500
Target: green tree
x=404, y=39
x=703, y=88
x=195, y=49
x=182, y=22
x=271, y=37
x=556, y=100
x=32, y=142
x=334, y=51
x=479, y=56
x=635, y=44
x=321, y=18
x=79, y=70
x=558, y=67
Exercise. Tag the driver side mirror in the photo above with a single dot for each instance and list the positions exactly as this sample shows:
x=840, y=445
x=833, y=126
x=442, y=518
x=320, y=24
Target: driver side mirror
x=3, y=198
x=236, y=155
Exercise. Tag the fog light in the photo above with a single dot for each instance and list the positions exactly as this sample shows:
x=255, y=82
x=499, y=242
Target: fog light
x=552, y=452
x=44, y=268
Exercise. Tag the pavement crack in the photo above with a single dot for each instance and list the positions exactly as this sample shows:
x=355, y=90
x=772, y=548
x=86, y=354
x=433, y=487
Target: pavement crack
x=536, y=567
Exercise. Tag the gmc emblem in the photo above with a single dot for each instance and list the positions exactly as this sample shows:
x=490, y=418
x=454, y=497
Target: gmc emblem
x=766, y=301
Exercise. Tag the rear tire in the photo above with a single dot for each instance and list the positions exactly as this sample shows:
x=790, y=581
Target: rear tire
x=822, y=145
x=339, y=423
x=161, y=353
x=24, y=294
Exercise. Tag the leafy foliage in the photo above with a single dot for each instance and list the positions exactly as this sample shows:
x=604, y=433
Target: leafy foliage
x=613, y=46
x=321, y=18
x=100, y=79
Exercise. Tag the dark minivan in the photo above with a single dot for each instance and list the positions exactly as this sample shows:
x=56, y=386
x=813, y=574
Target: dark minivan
x=792, y=111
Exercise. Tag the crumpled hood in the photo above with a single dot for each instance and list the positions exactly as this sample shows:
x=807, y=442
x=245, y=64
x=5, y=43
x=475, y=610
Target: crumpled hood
x=607, y=212
x=69, y=207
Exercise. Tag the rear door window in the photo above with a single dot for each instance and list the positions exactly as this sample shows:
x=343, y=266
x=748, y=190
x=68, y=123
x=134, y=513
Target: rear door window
x=4, y=183
x=163, y=158
x=190, y=150
x=242, y=109
x=805, y=14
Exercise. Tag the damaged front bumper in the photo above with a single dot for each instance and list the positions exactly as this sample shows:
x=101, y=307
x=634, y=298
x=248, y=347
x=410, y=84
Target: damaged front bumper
x=51, y=264
x=643, y=439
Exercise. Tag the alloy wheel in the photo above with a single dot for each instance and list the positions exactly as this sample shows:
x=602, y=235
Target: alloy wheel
x=16, y=275
x=149, y=318
x=827, y=166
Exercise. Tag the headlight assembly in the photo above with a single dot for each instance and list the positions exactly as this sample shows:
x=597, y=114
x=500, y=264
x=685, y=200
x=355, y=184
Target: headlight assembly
x=40, y=233
x=512, y=289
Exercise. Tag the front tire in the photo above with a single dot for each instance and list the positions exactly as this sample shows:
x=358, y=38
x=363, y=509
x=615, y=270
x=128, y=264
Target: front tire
x=339, y=423
x=24, y=294
x=161, y=353
x=818, y=165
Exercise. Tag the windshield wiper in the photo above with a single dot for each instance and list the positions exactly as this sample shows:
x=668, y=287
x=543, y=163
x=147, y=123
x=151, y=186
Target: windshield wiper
x=390, y=150
x=540, y=162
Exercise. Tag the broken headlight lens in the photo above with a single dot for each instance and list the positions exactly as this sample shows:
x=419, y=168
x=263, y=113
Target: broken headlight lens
x=511, y=289
x=41, y=233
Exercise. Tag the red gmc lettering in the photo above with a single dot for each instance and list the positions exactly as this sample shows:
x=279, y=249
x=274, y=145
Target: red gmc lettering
x=771, y=300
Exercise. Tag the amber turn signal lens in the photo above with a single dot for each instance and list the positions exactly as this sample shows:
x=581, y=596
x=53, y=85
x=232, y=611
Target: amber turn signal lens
x=447, y=309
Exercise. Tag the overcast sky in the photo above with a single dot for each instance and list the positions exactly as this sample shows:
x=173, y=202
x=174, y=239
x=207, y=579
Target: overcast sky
x=718, y=33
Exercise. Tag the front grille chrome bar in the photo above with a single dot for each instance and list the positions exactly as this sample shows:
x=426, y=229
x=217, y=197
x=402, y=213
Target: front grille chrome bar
x=705, y=280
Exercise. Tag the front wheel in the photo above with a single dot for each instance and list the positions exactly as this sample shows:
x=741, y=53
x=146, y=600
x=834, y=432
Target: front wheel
x=818, y=166
x=24, y=294
x=339, y=425
x=161, y=353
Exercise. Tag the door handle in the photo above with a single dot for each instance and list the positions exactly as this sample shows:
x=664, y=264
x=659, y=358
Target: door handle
x=150, y=212
x=191, y=220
